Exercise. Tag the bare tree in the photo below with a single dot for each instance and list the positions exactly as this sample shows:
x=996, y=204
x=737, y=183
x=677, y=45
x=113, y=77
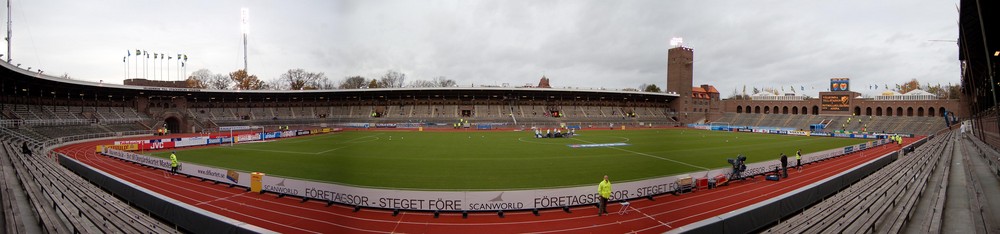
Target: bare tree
x=392, y=79
x=219, y=81
x=277, y=84
x=441, y=81
x=326, y=83
x=353, y=82
x=299, y=79
x=199, y=79
x=246, y=81
x=423, y=84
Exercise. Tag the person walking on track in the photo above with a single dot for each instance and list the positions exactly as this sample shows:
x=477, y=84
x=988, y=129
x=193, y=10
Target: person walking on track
x=173, y=162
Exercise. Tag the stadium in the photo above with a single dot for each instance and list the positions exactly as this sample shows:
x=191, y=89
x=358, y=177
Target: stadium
x=94, y=157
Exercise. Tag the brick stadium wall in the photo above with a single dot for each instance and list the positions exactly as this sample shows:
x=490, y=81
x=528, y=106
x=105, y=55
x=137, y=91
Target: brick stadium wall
x=857, y=105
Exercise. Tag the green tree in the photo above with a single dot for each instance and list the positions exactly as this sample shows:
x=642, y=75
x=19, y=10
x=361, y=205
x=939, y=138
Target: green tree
x=652, y=88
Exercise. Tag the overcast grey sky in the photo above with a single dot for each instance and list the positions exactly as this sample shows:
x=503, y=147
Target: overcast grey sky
x=593, y=44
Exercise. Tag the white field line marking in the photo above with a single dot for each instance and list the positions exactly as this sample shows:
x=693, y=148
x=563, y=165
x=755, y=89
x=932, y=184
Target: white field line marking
x=402, y=213
x=313, y=153
x=650, y=217
x=220, y=198
x=650, y=155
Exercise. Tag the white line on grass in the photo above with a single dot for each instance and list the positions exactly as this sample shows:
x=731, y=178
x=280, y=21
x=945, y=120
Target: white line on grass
x=649, y=155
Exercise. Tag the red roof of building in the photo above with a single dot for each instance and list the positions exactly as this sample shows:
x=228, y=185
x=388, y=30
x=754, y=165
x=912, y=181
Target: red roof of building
x=711, y=89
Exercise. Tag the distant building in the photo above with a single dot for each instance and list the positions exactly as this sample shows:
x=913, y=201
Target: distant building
x=694, y=104
x=543, y=83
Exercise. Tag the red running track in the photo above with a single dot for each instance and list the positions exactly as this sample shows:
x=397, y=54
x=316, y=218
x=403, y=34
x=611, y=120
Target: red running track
x=289, y=215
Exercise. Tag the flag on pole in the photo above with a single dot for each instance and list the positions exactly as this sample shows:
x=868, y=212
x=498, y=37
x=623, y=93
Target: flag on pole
x=803, y=88
x=185, y=58
x=124, y=58
x=138, y=52
x=129, y=52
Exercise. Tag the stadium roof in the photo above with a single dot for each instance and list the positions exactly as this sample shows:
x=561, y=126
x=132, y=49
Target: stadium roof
x=22, y=82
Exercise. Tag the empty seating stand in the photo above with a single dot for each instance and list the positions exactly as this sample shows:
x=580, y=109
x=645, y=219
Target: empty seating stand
x=881, y=202
x=62, y=202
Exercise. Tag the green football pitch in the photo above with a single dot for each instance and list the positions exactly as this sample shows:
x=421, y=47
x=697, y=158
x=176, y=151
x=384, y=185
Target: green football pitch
x=480, y=160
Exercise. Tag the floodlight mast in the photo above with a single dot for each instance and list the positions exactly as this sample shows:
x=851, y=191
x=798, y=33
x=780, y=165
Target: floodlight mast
x=245, y=28
x=8, y=30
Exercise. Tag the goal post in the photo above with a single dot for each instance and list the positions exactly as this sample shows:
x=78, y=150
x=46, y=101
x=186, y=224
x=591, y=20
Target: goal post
x=721, y=126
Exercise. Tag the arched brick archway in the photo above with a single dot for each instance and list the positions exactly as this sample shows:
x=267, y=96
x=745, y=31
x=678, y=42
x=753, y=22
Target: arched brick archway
x=930, y=111
x=767, y=109
x=173, y=124
x=775, y=110
x=857, y=110
x=795, y=110
x=756, y=110
x=888, y=111
x=909, y=111
x=784, y=110
x=899, y=111
x=815, y=110
x=739, y=109
x=878, y=111
x=920, y=111
x=868, y=111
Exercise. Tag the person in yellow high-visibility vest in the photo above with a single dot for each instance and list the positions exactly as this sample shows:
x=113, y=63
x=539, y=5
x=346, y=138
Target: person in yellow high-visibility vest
x=604, y=188
x=173, y=162
x=798, y=159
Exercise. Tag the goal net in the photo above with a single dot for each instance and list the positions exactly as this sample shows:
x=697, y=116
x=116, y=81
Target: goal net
x=724, y=126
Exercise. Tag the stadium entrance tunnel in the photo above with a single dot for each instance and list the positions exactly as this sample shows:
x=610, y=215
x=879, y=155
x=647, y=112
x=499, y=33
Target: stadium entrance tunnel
x=173, y=124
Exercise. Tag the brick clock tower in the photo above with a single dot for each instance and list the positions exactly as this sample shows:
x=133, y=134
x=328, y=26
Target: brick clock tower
x=680, y=73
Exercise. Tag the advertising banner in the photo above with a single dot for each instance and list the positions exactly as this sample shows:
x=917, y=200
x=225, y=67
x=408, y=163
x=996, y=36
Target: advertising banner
x=191, y=141
x=838, y=102
x=156, y=145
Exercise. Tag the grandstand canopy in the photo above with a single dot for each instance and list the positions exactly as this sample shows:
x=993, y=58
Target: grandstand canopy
x=20, y=83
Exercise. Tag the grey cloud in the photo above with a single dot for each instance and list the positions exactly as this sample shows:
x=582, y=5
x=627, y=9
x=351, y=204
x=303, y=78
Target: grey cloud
x=610, y=44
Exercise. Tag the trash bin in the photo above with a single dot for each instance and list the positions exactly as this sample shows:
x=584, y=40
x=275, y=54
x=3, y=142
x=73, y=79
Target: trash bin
x=255, y=181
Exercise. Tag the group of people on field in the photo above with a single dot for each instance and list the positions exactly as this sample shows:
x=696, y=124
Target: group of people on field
x=554, y=133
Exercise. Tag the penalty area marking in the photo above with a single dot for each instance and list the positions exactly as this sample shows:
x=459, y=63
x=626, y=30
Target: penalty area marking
x=649, y=155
